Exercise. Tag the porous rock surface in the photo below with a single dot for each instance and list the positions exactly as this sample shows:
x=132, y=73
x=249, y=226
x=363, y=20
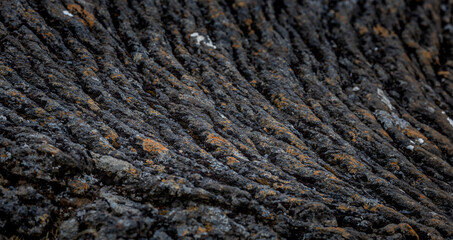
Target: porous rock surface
x=226, y=119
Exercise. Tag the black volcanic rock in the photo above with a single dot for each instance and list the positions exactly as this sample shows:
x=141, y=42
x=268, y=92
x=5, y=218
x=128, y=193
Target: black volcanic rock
x=221, y=119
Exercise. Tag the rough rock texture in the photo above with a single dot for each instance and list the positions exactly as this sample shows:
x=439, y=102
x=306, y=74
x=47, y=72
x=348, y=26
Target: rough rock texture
x=226, y=119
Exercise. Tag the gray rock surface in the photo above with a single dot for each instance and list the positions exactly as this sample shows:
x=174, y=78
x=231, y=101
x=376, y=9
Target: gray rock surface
x=226, y=119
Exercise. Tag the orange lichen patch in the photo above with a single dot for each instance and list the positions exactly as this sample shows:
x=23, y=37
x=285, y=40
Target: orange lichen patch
x=4, y=70
x=404, y=228
x=341, y=18
x=152, y=146
x=367, y=114
x=88, y=17
x=317, y=173
x=163, y=212
x=259, y=50
x=266, y=193
x=48, y=148
x=434, y=222
x=366, y=134
x=93, y=105
x=307, y=115
x=184, y=233
x=153, y=112
x=208, y=227
x=111, y=135
x=40, y=112
x=292, y=150
x=376, y=208
x=412, y=44
x=133, y=171
x=243, y=147
x=171, y=183
x=394, y=165
x=296, y=153
x=31, y=16
x=351, y=164
x=159, y=168
x=79, y=186
x=271, y=125
x=44, y=218
x=201, y=230
x=193, y=209
x=443, y=73
x=89, y=73
x=281, y=101
x=239, y=4
x=344, y=207
x=232, y=160
x=226, y=124
x=381, y=31
x=325, y=175
x=363, y=30
x=129, y=99
x=328, y=168
x=413, y=133
x=383, y=132
x=353, y=136
x=106, y=145
x=46, y=33
x=116, y=76
x=218, y=141
x=336, y=230
x=262, y=181
x=284, y=186
x=153, y=93
x=216, y=13
x=293, y=200
x=330, y=81
x=63, y=114
x=269, y=44
x=15, y=93
x=328, y=200
x=427, y=54
x=389, y=175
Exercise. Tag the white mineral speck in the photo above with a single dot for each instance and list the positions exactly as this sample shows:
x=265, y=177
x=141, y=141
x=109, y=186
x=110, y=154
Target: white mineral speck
x=384, y=98
x=355, y=89
x=65, y=12
x=450, y=121
x=420, y=141
x=410, y=147
x=202, y=39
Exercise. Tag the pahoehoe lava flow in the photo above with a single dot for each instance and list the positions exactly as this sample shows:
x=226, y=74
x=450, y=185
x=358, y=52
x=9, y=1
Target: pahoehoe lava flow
x=226, y=119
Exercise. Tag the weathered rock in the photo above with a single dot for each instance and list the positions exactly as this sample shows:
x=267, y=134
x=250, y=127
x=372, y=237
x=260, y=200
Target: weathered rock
x=226, y=119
